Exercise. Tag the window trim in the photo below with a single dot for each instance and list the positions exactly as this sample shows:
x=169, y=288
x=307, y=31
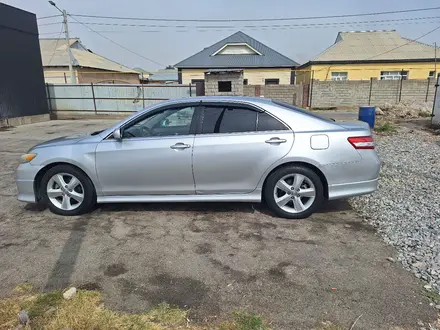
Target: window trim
x=337, y=76
x=397, y=73
x=239, y=105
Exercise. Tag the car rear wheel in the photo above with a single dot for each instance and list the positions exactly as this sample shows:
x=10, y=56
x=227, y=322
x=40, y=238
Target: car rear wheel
x=66, y=190
x=294, y=192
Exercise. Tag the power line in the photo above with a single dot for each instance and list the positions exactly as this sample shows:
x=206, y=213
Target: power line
x=403, y=20
x=410, y=41
x=45, y=17
x=46, y=24
x=257, y=19
x=56, y=45
x=118, y=44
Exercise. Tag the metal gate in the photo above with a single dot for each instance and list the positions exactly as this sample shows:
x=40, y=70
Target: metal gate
x=22, y=90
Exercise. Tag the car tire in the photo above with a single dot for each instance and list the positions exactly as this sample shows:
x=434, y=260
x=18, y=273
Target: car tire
x=74, y=198
x=300, y=203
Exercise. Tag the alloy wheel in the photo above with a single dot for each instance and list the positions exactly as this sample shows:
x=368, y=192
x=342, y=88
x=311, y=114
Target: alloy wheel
x=65, y=191
x=294, y=193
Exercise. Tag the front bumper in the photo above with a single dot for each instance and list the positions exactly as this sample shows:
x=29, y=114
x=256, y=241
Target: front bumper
x=25, y=178
x=351, y=189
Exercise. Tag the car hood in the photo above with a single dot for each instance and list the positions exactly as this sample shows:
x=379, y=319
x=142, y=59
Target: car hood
x=61, y=141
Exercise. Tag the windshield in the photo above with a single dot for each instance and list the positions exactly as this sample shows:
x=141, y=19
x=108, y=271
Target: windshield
x=304, y=111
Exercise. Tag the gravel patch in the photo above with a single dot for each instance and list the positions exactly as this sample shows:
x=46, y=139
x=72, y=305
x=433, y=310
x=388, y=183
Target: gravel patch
x=406, y=207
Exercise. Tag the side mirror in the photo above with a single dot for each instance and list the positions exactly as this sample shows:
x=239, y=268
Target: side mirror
x=117, y=134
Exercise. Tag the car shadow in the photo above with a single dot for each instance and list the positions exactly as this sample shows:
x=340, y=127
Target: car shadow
x=328, y=207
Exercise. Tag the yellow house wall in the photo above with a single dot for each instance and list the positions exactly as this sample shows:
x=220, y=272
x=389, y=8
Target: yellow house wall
x=254, y=76
x=364, y=71
x=55, y=75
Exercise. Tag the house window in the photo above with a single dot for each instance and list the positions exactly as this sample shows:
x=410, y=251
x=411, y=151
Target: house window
x=245, y=81
x=271, y=81
x=432, y=74
x=224, y=86
x=339, y=75
x=393, y=75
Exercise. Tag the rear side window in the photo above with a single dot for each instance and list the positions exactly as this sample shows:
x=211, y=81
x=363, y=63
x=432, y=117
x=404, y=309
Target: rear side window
x=268, y=123
x=219, y=119
x=238, y=120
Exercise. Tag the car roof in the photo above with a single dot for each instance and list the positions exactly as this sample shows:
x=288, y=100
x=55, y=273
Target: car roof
x=244, y=99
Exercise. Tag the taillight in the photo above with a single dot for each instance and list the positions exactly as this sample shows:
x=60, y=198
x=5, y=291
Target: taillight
x=362, y=142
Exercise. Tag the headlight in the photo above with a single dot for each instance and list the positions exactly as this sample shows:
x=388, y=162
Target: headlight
x=26, y=158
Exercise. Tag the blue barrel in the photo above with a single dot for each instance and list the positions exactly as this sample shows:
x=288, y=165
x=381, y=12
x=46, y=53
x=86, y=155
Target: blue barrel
x=368, y=115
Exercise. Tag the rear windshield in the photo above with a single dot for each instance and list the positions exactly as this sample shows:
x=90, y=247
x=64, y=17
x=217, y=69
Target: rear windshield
x=303, y=111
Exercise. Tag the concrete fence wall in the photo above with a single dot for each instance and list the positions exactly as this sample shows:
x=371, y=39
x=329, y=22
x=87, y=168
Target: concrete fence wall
x=291, y=94
x=370, y=92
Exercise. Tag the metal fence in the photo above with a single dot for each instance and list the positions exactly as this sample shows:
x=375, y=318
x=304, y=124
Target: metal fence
x=110, y=98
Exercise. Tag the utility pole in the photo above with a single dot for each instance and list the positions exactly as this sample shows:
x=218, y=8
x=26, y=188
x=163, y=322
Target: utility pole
x=69, y=51
x=435, y=62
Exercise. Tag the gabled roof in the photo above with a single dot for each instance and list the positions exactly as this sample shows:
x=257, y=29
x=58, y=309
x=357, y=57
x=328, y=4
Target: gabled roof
x=375, y=46
x=54, y=53
x=212, y=57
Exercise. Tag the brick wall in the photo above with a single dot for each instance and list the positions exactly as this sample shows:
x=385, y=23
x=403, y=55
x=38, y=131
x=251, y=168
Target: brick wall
x=291, y=94
x=366, y=92
x=212, y=79
x=87, y=76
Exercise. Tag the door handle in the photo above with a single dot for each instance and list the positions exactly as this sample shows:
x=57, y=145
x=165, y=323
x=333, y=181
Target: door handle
x=180, y=146
x=276, y=140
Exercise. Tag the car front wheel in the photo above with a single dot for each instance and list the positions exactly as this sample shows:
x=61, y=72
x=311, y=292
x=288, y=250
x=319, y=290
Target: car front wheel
x=66, y=190
x=294, y=192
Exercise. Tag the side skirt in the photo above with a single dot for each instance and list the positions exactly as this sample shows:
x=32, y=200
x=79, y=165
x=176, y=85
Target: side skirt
x=254, y=197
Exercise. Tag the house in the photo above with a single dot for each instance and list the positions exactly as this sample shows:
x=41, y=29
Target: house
x=259, y=63
x=362, y=55
x=88, y=67
x=143, y=75
x=169, y=75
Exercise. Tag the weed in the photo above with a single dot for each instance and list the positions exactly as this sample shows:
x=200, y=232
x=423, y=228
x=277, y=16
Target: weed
x=244, y=321
x=432, y=295
x=385, y=128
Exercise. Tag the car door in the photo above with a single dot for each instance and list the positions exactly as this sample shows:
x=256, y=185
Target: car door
x=234, y=146
x=154, y=156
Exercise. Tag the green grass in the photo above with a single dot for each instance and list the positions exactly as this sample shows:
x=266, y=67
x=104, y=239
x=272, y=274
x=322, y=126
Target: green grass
x=385, y=128
x=432, y=295
x=84, y=311
x=244, y=321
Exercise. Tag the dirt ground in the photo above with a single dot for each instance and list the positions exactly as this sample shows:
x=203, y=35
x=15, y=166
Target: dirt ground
x=212, y=258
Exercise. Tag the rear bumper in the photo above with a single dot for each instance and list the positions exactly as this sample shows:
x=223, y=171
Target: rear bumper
x=25, y=176
x=346, y=190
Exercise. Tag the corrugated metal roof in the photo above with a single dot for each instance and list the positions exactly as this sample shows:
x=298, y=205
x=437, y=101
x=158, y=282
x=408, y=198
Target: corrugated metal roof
x=269, y=58
x=54, y=53
x=374, y=46
x=164, y=75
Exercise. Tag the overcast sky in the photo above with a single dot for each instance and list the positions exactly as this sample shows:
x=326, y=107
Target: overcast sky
x=169, y=45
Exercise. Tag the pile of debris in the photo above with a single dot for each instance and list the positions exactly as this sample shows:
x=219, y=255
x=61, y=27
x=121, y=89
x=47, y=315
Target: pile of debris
x=405, y=110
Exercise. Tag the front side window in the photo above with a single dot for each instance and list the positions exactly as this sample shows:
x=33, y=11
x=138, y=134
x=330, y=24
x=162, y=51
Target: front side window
x=226, y=119
x=172, y=121
x=339, y=76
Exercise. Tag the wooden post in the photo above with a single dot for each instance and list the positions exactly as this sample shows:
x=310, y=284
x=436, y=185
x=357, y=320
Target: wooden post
x=369, y=95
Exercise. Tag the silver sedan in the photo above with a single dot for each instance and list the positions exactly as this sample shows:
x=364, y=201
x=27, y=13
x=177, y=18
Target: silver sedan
x=206, y=149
